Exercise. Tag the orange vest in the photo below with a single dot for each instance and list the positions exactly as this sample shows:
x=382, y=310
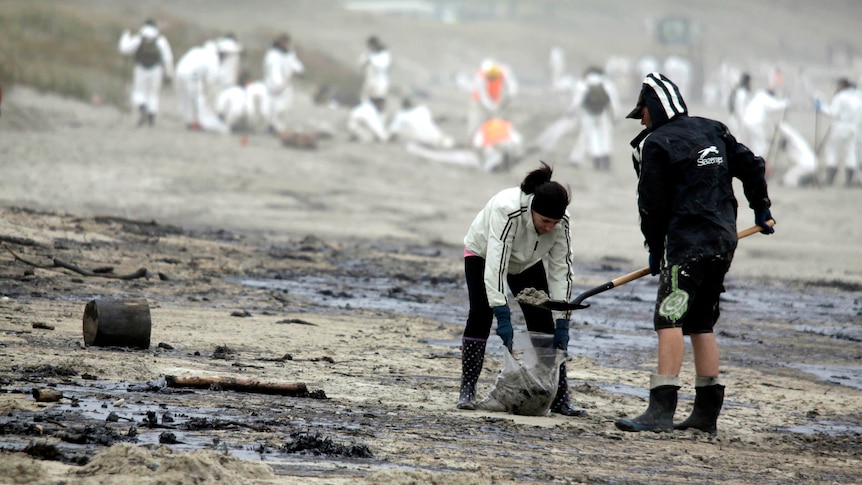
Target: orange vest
x=493, y=85
x=495, y=131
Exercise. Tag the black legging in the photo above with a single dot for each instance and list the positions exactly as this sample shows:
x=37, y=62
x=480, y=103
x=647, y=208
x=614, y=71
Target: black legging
x=481, y=317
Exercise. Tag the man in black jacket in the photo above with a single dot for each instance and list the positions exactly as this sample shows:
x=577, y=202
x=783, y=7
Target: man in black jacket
x=687, y=207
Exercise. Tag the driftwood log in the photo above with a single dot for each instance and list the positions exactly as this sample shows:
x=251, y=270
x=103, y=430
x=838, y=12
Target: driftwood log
x=297, y=139
x=47, y=395
x=141, y=273
x=117, y=323
x=238, y=384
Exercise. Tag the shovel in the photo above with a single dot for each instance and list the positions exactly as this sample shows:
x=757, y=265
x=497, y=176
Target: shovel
x=577, y=303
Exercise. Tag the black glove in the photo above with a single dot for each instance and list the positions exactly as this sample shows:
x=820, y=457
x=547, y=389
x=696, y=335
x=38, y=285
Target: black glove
x=561, y=334
x=654, y=263
x=760, y=218
x=504, y=325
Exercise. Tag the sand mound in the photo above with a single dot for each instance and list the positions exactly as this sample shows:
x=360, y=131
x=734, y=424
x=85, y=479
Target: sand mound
x=135, y=464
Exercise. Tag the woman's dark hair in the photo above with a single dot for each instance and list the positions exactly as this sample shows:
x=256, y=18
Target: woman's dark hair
x=536, y=178
x=550, y=199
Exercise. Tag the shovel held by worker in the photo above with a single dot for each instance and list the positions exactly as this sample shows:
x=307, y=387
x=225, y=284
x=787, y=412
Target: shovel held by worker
x=577, y=303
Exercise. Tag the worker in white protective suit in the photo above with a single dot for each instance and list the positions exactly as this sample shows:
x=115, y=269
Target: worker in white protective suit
x=375, y=63
x=737, y=102
x=280, y=65
x=560, y=80
x=681, y=71
x=646, y=65
x=757, y=135
x=499, y=144
x=800, y=155
x=245, y=106
x=845, y=112
x=414, y=123
x=199, y=79
x=366, y=122
x=154, y=62
x=618, y=70
x=229, y=65
x=594, y=101
x=493, y=87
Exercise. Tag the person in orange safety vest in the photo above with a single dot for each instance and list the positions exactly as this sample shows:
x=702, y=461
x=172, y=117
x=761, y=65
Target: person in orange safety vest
x=493, y=87
x=499, y=144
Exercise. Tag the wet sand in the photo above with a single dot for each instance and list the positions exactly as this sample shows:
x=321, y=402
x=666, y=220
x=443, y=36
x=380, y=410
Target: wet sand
x=348, y=260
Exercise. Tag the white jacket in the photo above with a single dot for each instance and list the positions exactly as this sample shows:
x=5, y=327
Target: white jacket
x=200, y=63
x=417, y=124
x=376, y=67
x=366, y=123
x=799, y=152
x=583, y=86
x=503, y=233
x=760, y=106
x=237, y=102
x=129, y=44
x=279, y=68
x=846, y=113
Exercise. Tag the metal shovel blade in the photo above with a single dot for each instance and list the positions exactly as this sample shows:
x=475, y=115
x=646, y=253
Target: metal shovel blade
x=559, y=305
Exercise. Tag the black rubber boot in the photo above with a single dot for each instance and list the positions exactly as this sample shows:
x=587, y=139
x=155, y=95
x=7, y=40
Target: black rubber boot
x=151, y=119
x=606, y=163
x=831, y=172
x=708, y=400
x=142, y=119
x=662, y=404
x=472, y=359
x=849, y=175
x=562, y=404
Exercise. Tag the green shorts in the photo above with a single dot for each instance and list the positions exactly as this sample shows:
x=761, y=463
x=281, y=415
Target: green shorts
x=688, y=295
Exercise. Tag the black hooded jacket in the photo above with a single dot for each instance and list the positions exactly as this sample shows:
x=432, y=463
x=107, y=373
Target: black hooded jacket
x=685, y=166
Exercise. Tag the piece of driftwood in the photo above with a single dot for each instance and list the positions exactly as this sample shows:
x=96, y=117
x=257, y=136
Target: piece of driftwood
x=117, y=323
x=47, y=395
x=141, y=273
x=297, y=139
x=125, y=220
x=238, y=384
x=21, y=241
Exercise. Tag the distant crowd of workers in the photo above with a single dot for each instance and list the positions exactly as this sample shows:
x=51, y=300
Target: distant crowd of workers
x=216, y=95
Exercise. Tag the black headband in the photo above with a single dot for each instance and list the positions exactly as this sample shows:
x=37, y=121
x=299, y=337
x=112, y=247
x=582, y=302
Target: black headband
x=549, y=206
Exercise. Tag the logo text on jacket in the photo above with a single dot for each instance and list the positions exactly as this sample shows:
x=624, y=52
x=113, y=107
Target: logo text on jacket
x=705, y=159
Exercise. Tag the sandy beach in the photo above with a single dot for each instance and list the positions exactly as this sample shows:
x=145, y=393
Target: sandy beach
x=347, y=259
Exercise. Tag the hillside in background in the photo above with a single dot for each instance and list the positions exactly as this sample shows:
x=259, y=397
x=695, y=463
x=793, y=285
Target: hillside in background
x=435, y=41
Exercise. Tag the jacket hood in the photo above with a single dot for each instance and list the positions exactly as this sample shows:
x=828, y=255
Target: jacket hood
x=661, y=97
x=149, y=31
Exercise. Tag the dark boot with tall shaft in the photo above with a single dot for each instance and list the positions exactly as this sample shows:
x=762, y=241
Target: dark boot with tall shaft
x=708, y=399
x=142, y=118
x=562, y=404
x=662, y=404
x=831, y=173
x=850, y=178
x=472, y=359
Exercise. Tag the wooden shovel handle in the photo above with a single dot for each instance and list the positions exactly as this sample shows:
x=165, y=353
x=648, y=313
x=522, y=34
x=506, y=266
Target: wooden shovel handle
x=578, y=304
x=627, y=278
